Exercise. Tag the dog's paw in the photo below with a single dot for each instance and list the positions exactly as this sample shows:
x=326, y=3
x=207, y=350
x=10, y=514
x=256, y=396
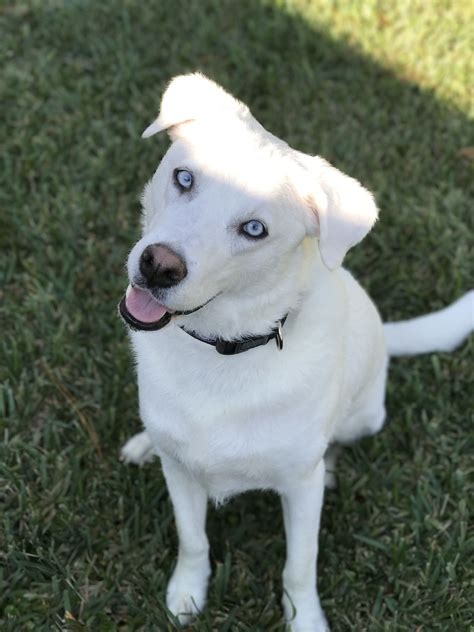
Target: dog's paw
x=330, y=459
x=306, y=616
x=330, y=480
x=186, y=597
x=183, y=606
x=138, y=450
x=311, y=626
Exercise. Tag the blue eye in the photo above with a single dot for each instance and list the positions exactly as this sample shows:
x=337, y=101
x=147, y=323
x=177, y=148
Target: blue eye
x=183, y=178
x=254, y=229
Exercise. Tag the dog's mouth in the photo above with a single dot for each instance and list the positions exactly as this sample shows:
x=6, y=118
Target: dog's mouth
x=142, y=312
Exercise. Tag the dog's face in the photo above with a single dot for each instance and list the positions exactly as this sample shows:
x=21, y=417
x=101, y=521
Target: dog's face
x=225, y=206
x=231, y=209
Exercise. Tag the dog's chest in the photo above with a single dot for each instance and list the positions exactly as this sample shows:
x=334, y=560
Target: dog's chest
x=234, y=425
x=231, y=453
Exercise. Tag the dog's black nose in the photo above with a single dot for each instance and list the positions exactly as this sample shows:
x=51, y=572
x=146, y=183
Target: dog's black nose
x=162, y=267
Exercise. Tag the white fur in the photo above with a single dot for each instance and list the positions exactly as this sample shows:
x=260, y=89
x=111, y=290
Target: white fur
x=443, y=330
x=138, y=449
x=263, y=419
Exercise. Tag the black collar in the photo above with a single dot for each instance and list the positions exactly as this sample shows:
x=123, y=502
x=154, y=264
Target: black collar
x=231, y=347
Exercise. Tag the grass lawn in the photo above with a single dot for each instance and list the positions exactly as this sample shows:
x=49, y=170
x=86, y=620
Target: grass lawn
x=380, y=89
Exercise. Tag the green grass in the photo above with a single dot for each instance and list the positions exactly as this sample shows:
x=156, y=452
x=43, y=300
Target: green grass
x=382, y=91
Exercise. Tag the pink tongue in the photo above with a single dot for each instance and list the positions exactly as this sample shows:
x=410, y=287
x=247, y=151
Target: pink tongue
x=143, y=306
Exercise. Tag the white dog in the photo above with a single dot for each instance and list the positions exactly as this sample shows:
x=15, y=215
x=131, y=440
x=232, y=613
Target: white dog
x=243, y=240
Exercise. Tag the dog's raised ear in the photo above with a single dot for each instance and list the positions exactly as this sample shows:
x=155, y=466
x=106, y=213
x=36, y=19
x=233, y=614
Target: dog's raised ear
x=190, y=98
x=342, y=210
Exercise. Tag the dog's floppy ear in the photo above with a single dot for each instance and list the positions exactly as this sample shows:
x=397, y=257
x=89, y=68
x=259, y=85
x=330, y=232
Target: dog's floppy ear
x=345, y=211
x=192, y=97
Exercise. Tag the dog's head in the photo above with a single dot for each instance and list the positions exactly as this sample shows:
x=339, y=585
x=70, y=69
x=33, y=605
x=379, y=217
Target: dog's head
x=233, y=217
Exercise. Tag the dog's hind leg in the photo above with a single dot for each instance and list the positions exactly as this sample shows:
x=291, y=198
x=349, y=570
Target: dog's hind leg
x=187, y=588
x=368, y=412
x=330, y=459
x=302, y=502
x=138, y=450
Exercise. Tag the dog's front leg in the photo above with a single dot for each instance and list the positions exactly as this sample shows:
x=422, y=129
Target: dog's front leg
x=302, y=503
x=187, y=588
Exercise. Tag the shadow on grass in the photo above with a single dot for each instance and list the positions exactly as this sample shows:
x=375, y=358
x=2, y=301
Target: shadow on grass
x=82, y=80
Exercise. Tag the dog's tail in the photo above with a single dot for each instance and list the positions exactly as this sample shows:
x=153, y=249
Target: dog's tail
x=443, y=330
